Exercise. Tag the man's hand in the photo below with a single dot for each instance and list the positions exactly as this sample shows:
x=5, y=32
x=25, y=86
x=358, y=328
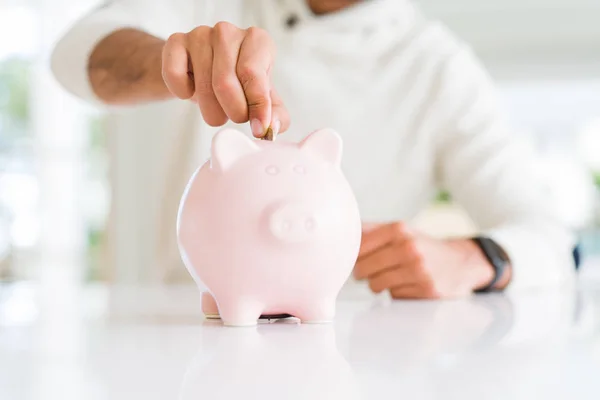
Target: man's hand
x=413, y=265
x=224, y=69
x=227, y=71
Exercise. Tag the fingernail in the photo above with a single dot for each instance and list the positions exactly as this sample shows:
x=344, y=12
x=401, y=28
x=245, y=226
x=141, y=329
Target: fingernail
x=276, y=126
x=257, y=128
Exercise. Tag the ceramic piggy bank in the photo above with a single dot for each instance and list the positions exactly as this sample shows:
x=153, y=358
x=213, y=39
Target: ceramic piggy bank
x=270, y=227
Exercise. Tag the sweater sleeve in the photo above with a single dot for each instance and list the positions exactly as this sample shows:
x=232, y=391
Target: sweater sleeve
x=70, y=55
x=491, y=172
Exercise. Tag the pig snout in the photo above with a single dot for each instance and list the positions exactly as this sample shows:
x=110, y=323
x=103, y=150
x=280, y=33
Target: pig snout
x=293, y=222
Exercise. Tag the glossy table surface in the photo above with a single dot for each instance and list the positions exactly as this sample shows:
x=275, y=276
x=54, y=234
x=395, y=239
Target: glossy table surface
x=99, y=343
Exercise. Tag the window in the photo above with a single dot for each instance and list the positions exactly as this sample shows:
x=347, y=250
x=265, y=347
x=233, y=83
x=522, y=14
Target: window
x=53, y=190
x=18, y=184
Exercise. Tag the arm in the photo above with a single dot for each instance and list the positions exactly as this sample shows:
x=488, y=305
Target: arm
x=125, y=68
x=129, y=53
x=490, y=171
x=113, y=49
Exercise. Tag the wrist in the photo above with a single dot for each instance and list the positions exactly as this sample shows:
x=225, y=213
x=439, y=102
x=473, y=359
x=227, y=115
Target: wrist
x=478, y=269
x=475, y=265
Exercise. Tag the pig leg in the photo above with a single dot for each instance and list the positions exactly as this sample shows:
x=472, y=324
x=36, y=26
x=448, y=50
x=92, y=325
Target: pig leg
x=316, y=311
x=240, y=311
x=209, y=306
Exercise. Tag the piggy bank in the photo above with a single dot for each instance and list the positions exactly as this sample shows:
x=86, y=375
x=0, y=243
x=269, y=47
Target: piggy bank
x=270, y=227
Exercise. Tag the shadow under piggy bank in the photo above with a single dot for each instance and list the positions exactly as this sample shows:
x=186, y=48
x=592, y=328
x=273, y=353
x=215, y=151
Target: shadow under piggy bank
x=273, y=361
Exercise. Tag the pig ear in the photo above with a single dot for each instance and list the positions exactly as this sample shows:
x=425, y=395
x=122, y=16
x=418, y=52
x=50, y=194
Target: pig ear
x=326, y=143
x=230, y=145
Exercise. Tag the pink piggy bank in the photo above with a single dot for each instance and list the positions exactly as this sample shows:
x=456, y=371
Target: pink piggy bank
x=270, y=227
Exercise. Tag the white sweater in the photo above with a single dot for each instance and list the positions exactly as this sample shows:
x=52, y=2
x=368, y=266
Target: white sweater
x=415, y=108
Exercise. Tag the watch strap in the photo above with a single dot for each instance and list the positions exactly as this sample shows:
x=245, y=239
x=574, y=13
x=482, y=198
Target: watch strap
x=495, y=256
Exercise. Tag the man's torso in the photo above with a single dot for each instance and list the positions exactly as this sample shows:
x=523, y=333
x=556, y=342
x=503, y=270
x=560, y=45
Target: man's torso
x=368, y=72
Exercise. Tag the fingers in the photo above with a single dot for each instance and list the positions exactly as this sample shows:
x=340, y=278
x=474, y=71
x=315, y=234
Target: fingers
x=226, y=41
x=253, y=70
x=201, y=52
x=393, y=255
x=415, y=291
x=393, y=277
x=386, y=257
x=389, y=259
x=381, y=236
x=175, y=67
x=227, y=72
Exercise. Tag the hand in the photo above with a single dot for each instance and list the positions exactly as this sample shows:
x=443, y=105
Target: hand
x=412, y=265
x=227, y=72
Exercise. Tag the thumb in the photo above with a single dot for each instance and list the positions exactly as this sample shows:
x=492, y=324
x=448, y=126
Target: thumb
x=258, y=97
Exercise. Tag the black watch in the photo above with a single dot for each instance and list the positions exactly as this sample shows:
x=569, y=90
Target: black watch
x=497, y=258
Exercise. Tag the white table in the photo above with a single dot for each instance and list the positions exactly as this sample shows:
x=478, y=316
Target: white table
x=97, y=343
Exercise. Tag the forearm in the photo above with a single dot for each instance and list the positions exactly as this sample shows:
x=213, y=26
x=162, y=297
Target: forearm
x=126, y=68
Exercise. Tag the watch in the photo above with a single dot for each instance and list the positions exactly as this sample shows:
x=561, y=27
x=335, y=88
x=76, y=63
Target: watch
x=497, y=258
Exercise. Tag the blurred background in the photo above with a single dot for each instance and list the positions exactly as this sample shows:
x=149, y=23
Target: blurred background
x=66, y=174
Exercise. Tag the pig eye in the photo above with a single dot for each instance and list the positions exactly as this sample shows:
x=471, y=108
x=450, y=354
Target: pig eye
x=272, y=170
x=299, y=169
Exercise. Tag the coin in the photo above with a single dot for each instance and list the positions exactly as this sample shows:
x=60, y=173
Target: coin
x=269, y=135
